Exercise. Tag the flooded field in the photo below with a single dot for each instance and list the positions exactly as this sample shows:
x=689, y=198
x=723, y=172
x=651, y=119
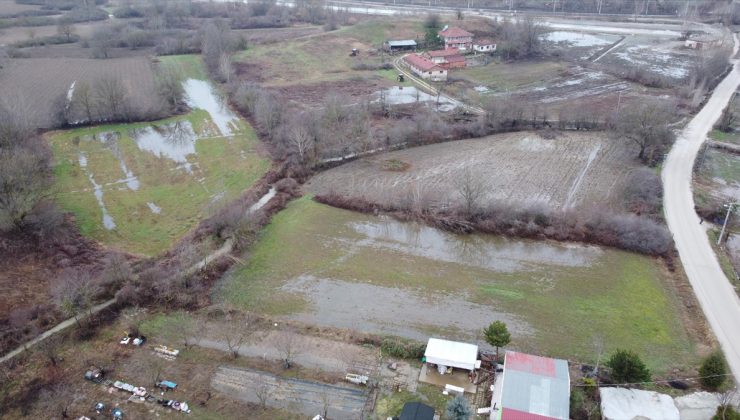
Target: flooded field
x=141, y=186
x=403, y=95
x=336, y=268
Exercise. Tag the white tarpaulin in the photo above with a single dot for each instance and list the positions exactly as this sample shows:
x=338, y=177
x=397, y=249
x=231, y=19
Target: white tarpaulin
x=626, y=404
x=451, y=353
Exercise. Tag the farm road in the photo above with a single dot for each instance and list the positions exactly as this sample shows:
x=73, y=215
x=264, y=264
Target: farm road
x=307, y=397
x=713, y=290
x=311, y=352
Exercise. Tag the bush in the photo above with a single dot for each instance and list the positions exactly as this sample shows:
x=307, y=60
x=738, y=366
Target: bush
x=713, y=371
x=644, y=192
x=458, y=408
x=402, y=348
x=726, y=412
x=627, y=367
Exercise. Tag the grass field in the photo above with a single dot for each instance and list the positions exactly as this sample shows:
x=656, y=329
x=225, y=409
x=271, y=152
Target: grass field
x=156, y=180
x=325, y=57
x=561, y=297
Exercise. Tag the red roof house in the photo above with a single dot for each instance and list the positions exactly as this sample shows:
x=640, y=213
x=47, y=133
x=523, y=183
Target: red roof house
x=447, y=58
x=425, y=68
x=456, y=38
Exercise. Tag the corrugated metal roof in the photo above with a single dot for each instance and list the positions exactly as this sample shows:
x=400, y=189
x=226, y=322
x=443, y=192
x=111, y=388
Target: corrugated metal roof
x=535, y=387
x=402, y=43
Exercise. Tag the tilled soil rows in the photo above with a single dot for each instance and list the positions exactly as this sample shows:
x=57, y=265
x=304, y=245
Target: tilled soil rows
x=573, y=170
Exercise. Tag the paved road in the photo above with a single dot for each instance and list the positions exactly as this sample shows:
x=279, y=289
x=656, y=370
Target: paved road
x=712, y=288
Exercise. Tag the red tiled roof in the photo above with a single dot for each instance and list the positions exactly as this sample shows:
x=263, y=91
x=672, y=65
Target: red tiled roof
x=444, y=53
x=420, y=62
x=455, y=59
x=454, y=32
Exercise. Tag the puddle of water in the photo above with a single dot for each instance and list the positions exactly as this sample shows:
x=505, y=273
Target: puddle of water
x=110, y=141
x=202, y=95
x=262, y=201
x=408, y=95
x=71, y=91
x=108, y=222
x=367, y=307
x=576, y=39
x=174, y=141
x=484, y=251
x=154, y=208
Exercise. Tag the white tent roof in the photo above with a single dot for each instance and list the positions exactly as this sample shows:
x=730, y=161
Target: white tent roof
x=451, y=353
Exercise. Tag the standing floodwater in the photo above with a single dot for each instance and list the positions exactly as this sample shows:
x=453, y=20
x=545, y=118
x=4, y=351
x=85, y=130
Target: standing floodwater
x=202, y=95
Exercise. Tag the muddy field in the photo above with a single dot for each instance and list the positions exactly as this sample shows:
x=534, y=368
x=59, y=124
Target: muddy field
x=10, y=7
x=36, y=84
x=572, y=170
x=18, y=33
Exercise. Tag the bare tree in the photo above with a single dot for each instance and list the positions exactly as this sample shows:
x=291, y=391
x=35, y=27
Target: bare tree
x=646, y=125
x=50, y=348
x=110, y=94
x=262, y=392
x=471, y=189
x=102, y=41
x=24, y=182
x=169, y=84
x=288, y=346
x=235, y=332
x=727, y=399
x=74, y=292
x=65, y=28
x=84, y=100
x=301, y=140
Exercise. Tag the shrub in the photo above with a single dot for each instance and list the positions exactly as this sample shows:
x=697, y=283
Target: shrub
x=726, y=412
x=713, y=371
x=403, y=348
x=627, y=367
x=458, y=408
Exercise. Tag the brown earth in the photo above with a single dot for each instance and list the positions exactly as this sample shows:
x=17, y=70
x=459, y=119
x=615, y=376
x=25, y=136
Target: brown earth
x=572, y=170
x=35, y=83
x=22, y=33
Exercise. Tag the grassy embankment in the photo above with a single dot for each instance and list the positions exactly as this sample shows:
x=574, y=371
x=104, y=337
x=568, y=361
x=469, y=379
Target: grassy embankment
x=622, y=298
x=221, y=169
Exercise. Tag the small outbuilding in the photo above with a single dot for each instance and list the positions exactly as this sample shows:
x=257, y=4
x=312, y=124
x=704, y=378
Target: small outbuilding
x=452, y=354
x=393, y=46
x=702, y=42
x=532, y=387
x=484, y=45
x=416, y=411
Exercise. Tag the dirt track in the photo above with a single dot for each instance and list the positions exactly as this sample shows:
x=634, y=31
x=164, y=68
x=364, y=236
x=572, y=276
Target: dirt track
x=307, y=397
x=573, y=170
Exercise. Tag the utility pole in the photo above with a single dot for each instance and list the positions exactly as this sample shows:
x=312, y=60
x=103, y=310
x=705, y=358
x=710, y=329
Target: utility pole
x=730, y=207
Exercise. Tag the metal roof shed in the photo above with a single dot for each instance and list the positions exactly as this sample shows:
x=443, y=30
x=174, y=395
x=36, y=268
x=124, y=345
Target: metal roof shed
x=402, y=43
x=416, y=411
x=451, y=353
x=534, y=387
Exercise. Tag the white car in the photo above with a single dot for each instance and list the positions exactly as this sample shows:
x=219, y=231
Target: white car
x=125, y=340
